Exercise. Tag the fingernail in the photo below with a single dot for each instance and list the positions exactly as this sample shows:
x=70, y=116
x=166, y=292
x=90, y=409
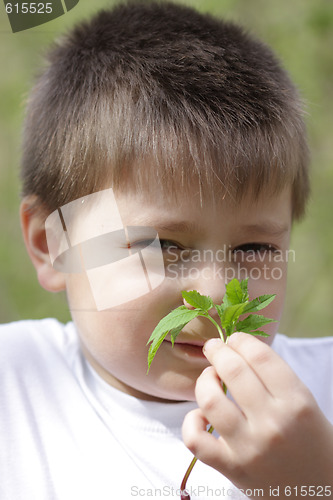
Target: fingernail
x=210, y=344
x=234, y=337
x=207, y=369
x=186, y=304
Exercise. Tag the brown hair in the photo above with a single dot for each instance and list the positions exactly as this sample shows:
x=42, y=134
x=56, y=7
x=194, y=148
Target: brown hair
x=154, y=92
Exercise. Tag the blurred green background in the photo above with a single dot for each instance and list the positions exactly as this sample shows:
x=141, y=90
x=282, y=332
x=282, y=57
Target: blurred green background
x=301, y=33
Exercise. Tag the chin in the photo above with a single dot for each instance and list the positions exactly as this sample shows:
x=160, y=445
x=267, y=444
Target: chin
x=174, y=394
x=181, y=398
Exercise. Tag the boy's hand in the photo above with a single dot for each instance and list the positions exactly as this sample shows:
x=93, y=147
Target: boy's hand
x=274, y=434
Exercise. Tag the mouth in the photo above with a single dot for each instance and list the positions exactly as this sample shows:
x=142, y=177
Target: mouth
x=192, y=348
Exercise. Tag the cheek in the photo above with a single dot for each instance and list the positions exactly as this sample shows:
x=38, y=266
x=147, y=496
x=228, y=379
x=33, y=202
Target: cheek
x=275, y=309
x=79, y=293
x=126, y=328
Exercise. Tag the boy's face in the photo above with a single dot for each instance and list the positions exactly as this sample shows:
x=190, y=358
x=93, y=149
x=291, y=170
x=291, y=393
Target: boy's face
x=204, y=246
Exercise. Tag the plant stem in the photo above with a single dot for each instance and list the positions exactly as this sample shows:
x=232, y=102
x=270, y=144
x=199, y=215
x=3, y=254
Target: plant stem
x=216, y=325
x=183, y=493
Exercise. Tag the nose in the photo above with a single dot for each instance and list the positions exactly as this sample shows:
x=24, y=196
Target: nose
x=208, y=282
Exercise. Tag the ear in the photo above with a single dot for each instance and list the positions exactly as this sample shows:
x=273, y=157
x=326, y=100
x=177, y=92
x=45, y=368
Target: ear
x=34, y=234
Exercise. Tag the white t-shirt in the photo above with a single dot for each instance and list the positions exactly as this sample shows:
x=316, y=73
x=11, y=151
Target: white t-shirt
x=65, y=434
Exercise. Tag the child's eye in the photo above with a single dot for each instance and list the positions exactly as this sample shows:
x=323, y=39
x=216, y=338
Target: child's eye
x=170, y=245
x=166, y=245
x=174, y=252
x=254, y=248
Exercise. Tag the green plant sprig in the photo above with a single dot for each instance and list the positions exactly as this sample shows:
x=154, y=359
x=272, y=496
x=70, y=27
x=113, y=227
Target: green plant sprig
x=235, y=304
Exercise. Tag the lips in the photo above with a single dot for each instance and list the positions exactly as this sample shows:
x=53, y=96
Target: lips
x=191, y=347
x=196, y=343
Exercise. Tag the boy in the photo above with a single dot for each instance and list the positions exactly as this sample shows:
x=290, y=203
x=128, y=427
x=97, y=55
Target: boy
x=149, y=120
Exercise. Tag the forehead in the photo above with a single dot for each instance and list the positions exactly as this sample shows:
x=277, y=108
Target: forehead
x=191, y=213
x=110, y=210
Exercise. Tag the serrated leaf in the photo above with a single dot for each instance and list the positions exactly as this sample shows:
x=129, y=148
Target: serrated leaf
x=235, y=292
x=235, y=303
x=244, y=287
x=195, y=299
x=175, y=332
x=252, y=322
x=175, y=321
x=177, y=317
x=220, y=309
x=259, y=332
x=226, y=302
x=231, y=314
x=154, y=347
x=259, y=303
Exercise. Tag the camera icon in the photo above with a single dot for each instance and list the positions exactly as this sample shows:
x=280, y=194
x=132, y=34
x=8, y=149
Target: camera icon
x=121, y=262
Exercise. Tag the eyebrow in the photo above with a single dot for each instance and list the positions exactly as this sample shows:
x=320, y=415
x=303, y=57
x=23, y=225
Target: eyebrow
x=269, y=228
x=266, y=228
x=172, y=226
x=177, y=226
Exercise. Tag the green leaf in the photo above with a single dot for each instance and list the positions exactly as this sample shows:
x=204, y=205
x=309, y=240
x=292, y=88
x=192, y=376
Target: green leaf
x=220, y=310
x=259, y=303
x=235, y=292
x=244, y=287
x=175, y=332
x=195, y=299
x=157, y=343
x=258, y=332
x=225, y=302
x=231, y=314
x=235, y=303
x=153, y=348
x=252, y=322
x=175, y=318
x=175, y=322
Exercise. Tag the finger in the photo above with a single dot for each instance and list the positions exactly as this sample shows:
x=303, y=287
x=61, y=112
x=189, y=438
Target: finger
x=204, y=446
x=219, y=410
x=273, y=371
x=247, y=389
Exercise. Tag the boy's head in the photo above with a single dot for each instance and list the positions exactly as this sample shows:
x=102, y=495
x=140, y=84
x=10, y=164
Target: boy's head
x=192, y=129
x=151, y=95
